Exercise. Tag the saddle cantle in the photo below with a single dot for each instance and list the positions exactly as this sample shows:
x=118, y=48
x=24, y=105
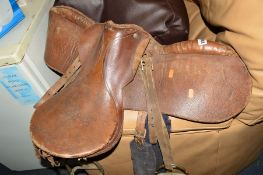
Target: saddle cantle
x=64, y=31
x=204, y=82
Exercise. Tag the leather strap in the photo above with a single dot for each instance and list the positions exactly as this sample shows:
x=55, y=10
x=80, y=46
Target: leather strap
x=63, y=81
x=154, y=110
x=152, y=133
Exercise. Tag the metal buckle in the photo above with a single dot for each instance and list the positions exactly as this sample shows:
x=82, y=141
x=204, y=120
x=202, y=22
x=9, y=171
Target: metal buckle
x=142, y=64
x=139, y=140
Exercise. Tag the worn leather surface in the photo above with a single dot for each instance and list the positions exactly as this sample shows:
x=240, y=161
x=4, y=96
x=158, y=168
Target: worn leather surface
x=64, y=26
x=212, y=148
x=92, y=102
x=184, y=72
x=181, y=59
x=189, y=78
x=166, y=21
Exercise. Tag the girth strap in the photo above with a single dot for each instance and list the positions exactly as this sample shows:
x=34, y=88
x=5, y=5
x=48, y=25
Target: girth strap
x=155, y=120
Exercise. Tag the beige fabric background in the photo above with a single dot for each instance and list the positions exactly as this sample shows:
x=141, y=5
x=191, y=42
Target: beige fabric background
x=225, y=148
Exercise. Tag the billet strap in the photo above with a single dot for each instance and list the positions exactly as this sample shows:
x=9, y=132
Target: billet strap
x=154, y=110
x=152, y=133
x=63, y=81
x=140, y=130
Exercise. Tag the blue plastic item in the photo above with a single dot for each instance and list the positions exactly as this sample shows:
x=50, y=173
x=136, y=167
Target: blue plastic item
x=18, y=16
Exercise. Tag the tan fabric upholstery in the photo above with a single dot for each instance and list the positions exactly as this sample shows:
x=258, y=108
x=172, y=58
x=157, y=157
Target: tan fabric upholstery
x=198, y=29
x=224, y=148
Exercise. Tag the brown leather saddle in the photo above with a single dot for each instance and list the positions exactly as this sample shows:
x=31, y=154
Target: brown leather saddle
x=109, y=68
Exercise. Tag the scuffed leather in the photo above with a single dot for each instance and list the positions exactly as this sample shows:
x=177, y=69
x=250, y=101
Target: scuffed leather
x=213, y=151
x=208, y=111
x=166, y=21
x=64, y=29
x=93, y=102
x=215, y=148
x=93, y=97
x=200, y=69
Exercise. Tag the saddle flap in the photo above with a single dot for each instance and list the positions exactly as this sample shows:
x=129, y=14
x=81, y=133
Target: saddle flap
x=207, y=84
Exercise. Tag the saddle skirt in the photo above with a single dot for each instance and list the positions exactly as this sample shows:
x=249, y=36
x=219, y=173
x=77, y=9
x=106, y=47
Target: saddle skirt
x=203, y=82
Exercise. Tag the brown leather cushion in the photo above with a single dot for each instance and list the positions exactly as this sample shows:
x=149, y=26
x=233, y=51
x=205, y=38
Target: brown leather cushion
x=166, y=21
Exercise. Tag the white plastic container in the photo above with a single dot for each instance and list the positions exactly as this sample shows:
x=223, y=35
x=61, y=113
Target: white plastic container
x=24, y=78
x=6, y=12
